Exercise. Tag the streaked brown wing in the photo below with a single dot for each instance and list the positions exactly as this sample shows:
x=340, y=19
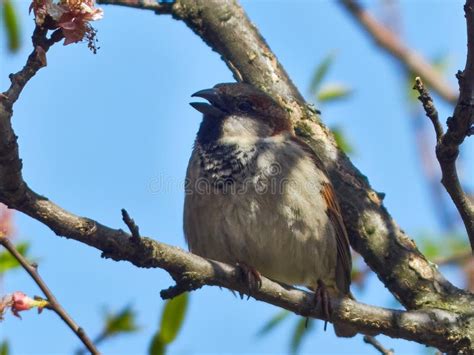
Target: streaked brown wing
x=344, y=259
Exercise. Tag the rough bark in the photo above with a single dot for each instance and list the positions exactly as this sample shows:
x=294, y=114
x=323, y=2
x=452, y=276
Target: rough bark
x=440, y=314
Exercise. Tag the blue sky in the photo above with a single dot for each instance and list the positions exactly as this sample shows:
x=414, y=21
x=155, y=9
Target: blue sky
x=101, y=132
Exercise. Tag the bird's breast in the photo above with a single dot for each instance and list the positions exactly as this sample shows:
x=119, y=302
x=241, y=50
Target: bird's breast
x=260, y=204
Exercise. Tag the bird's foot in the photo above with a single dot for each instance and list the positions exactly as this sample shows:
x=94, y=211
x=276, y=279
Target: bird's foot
x=321, y=299
x=251, y=277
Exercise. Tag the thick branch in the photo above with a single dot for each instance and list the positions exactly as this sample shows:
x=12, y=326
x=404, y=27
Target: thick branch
x=223, y=25
x=53, y=303
x=388, y=251
x=387, y=40
x=428, y=327
x=11, y=181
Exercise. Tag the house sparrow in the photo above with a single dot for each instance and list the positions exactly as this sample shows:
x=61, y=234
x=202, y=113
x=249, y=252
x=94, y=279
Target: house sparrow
x=258, y=196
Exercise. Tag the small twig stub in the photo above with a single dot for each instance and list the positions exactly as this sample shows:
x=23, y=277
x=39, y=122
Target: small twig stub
x=368, y=339
x=429, y=107
x=132, y=226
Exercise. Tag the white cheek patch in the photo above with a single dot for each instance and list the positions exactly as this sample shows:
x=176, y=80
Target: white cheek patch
x=244, y=128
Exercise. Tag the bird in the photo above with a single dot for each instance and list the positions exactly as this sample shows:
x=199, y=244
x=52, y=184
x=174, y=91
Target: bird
x=258, y=196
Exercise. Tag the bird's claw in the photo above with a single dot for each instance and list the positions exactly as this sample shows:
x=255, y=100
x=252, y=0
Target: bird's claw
x=251, y=277
x=321, y=298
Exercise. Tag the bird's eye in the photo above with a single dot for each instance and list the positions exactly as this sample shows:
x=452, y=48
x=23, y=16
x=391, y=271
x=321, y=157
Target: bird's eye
x=245, y=106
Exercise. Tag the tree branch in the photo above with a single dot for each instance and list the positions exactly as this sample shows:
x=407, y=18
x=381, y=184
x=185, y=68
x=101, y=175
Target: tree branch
x=387, y=40
x=224, y=26
x=156, y=6
x=429, y=107
x=11, y=181
x=438, y=328
x=132, y=226
x=459, y=127
x=376, y=344
x=36, y=60
x=53, y=303
x=384, y=246
x=456, y=258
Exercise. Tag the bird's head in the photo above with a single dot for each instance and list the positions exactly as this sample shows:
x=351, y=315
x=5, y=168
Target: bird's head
x=238, y=110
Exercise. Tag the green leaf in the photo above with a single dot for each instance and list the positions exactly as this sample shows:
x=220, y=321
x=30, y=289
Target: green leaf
x=341, y=140
x=333, y=92
x=4, y=348
x=434, y=246
x=321, y=71
x=121, y=322
x=12, y=28
x=8, y=262
x=173, y=316
x=157, y=345
x=171, y=322
x=302, y=328
x=430, y=248
x=273, y=322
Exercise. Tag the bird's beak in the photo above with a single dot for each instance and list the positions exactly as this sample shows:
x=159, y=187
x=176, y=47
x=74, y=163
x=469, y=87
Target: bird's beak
x=208, y=94
x=211, y=108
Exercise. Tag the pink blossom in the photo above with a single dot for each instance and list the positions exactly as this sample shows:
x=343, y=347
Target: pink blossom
x=19, y=302
x=72, y=16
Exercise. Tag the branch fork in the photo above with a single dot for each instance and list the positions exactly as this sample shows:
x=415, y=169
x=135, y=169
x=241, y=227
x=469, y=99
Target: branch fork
x=460, y=125
x=438, y=314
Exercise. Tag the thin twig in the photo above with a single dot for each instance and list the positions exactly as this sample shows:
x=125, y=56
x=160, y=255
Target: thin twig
x=368, y=339
x=409, y=58
x=427, y=154
x=156, y=6
x=459, y=127
x=36, y=60
x=54, y=305
x=429, y=164
x=225, y=27
x=130, y=224
x=429, y=107
x=178, y=289
x=456, y=258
